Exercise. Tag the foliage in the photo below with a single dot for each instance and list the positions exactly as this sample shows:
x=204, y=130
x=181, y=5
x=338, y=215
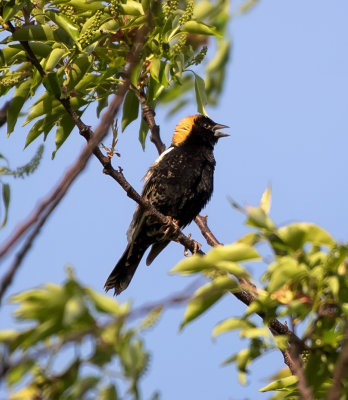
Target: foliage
x=19, y=172
x=73, y=337
x=83, y=48
x=305, y=284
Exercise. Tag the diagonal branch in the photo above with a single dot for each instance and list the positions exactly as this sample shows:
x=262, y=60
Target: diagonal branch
x=249, y=291
x=149, y=116
x=340, y=371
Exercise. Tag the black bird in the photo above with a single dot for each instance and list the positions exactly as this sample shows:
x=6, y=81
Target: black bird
x=179, y=184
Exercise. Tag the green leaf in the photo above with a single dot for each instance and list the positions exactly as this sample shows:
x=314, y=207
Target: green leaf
x=334, y=284
x=206, y=296
x=220, y=257
x=130, y=109
x=235, y=252
x=221, y=57
x=232, y=268
x=6, y=195
x=53, y=59
x=44, y=125
x=131, y=8
x=66, y=125
x=41, y=33
x=201, y=97
x=52, y=84
x=199, y=28
x=258, y=218
x=296, y=235
x=285, y=271
x=40, y=49
x=155, y=68
x=18, y=372
x=143, y=133
x=108, y=393
x=105, y=304
x=64, y=23
x=281, y=384
x=77, y=70
x=266, y=198
x=231, y=324
x=21, y=94
x=74, y=310
x=86, y=4
x=10, y=9
x=82, y=385
x=7, y=336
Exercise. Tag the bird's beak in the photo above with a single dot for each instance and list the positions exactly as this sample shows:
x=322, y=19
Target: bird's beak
x=218, y=134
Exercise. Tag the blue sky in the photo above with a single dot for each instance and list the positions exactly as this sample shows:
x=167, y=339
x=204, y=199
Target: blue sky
x=285, y=100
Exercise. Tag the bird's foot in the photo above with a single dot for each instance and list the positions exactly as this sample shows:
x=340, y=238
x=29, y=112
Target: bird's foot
x=171, y=228
x=196, y=246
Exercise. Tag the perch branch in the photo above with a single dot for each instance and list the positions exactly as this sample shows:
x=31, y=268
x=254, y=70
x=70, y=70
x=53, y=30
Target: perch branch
x=340, y=371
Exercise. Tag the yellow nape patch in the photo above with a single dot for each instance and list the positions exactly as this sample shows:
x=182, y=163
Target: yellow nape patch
x=183, y=129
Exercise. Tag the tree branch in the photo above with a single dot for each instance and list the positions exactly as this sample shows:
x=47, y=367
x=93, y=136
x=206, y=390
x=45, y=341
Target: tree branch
x=248, y=295
x=306, y=391
x=149, y=116
x=340, y=371
x=46, y=207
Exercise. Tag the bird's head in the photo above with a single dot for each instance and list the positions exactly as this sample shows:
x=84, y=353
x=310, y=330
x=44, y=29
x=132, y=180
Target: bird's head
x=197, y=129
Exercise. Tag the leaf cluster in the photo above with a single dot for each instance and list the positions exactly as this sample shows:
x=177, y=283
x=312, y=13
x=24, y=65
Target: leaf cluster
x=19, y=172
x=82, y=49
x=304, y=284
x=76, y=345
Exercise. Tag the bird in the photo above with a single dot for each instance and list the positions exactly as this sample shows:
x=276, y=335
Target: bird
x=178, y=184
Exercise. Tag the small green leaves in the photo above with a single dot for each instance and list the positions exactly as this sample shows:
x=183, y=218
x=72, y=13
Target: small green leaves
x=6, y=195
x=130, y=109
x=281, y=384
x=199, y=28
x=296, y=235
x=64, y=23
x=231, y=324
x=40, y=33
x=143, y=133
x=206, y=296
x=53, y=59
x=51, y=83
x=83, y=47
x=20, y=96
x=131, y=8
x=201, y=97
x=221, y=258
x=62, y=318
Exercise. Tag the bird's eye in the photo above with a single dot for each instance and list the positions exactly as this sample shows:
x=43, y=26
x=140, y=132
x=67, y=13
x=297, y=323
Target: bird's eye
x=206, y=125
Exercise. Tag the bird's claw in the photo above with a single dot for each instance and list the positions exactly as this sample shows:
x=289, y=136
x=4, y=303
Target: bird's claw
x=171, y=228
x=196, y=247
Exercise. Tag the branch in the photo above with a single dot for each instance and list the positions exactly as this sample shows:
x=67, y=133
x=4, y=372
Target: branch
x=46, y=207
x=248, y=295
x=340, y=372
x=202, y=224
x=149, y=116
x=306, y=391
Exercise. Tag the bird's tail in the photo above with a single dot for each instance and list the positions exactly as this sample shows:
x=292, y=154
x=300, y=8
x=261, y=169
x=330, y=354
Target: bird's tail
x=124, y=270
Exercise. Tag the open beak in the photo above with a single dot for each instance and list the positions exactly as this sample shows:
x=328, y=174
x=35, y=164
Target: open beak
x=219, y=134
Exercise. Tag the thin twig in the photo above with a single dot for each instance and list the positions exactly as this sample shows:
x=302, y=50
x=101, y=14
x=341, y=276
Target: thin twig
x=201, y=221
x=249, y=291
x=149, y=116
x=175, y=300
x=47, y=206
